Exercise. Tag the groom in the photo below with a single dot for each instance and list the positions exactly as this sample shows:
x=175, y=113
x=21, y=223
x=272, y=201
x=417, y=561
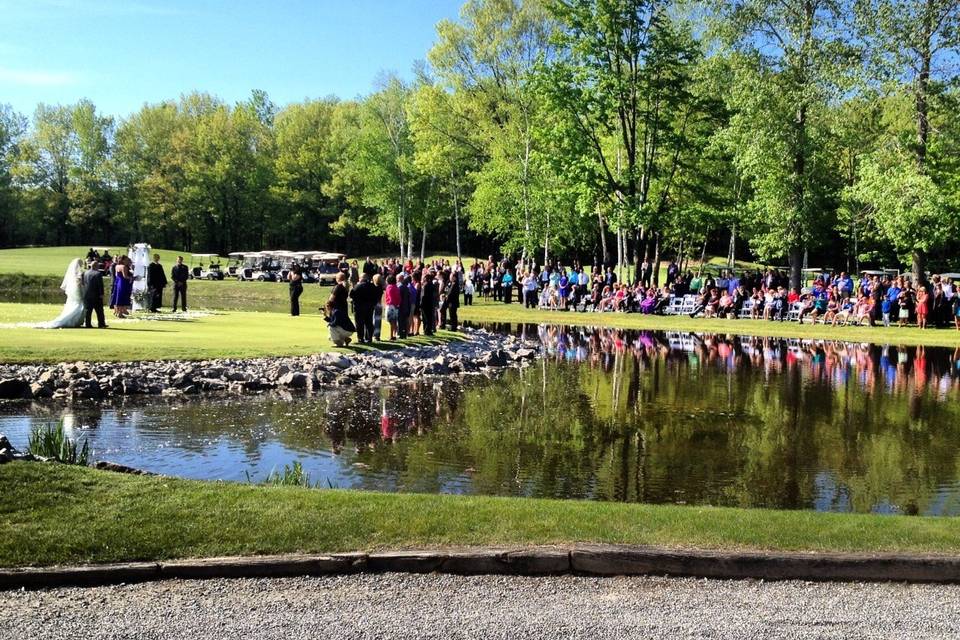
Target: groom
x=93, y=295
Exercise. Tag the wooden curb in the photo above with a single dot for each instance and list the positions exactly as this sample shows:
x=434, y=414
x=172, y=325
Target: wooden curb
x=597, y=560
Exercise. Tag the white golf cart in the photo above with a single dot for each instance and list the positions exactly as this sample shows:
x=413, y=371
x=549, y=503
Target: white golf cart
x=326, y=266
x=253, y=268
x=209, y=271
x=235, y=264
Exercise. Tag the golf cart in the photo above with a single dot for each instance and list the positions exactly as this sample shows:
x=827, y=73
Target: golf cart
x=255, y=267
x=326, y=266
x=234, y=264
x=212, y=269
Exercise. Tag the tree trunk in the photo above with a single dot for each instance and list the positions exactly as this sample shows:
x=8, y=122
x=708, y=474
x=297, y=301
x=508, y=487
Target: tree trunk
x=656, y=260
x=703, y=257
x=796, y=263
x=603, y=238
x=423, y=244
x=546, y=241
x=919, y=267
x=456, y=219
x=409, y=255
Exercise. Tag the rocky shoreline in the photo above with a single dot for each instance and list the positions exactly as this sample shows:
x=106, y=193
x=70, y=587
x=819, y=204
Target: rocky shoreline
x=482, y=352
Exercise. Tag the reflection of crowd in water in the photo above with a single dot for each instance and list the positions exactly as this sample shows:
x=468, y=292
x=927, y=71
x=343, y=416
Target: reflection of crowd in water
x=895, y=369
x=386, y=414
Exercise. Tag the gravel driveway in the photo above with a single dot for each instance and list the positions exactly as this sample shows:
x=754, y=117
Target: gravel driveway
x=444, y=606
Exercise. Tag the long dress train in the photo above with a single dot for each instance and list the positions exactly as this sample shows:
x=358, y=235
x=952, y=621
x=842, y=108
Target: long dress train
x=72, y=314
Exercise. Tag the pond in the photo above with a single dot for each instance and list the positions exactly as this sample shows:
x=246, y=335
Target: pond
x=606, y=415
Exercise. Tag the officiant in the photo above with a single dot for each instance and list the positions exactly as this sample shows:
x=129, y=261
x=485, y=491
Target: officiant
x=156, y=281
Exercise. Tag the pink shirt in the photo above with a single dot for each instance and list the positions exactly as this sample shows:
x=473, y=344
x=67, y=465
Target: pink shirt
x=393, y=295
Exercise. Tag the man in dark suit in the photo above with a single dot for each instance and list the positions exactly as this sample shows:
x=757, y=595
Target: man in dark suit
x=365, y=297
x=429, y=298
x=451, y=299
x=156, y=281
x=180, y=274
x=93, y=295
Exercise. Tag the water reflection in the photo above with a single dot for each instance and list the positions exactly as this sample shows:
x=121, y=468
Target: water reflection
x=607, y=415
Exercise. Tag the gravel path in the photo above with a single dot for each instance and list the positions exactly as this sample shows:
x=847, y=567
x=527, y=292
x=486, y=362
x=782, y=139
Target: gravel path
x=443, y=606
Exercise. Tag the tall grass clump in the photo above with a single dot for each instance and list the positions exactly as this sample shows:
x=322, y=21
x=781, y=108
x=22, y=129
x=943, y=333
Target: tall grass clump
x=292, y=475
x=51, y=442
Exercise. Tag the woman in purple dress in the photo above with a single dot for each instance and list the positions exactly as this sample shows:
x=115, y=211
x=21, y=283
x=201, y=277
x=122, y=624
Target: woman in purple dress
x=122, y=289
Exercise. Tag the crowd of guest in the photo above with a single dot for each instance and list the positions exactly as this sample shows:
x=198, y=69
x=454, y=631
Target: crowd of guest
x=835, y=298
x=419, y=297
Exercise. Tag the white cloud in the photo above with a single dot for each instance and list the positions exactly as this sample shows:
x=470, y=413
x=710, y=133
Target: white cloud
x=36, y=78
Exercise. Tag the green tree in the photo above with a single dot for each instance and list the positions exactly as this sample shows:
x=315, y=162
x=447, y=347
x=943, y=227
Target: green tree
x=13, y=127
x=914, y=44
x=791, y=58
x=488, y=60
x=622, y=82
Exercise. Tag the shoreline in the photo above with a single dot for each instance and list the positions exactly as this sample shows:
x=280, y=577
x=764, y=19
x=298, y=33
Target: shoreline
x=480, y=352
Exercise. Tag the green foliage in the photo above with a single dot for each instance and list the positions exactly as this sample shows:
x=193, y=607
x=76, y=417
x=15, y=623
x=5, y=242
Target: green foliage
x=53, y=443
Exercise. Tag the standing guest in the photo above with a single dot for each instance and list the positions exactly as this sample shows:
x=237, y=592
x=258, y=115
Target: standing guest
x=415, y=303
x=393, y=305
x=295, y=278
x=354, y=274
x=378, y=307
x=429, y=299
x=672, y=272
x=370, y=268
x=93, y=295
x=365, y=297
x=180, y=274
x=468, y=290
x=530, y=291
x=156, y=282
x=452, y=301
x=646, y=273
x=120, y=298
x=403, y=319
x=506, y=284
x=922, y=307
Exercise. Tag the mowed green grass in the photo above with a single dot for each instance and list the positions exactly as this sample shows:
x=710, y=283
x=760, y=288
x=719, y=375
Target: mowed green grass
x=53, y=261
x=498, y=312
x=56, y=514
x=226, y=334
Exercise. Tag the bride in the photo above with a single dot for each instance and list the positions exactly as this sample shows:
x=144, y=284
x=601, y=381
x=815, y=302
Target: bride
x=72, y=314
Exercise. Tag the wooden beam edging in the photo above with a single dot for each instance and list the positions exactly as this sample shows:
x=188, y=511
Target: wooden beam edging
x=596, y=560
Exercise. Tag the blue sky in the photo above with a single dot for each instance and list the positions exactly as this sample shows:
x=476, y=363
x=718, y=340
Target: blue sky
x=122, y=53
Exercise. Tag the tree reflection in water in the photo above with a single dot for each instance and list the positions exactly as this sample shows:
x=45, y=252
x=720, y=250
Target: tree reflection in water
x=607, y=415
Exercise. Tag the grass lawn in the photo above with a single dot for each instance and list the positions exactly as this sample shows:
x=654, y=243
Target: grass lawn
x=234, y=334
x=56, y=514
x=53, y=261
x=493, y=312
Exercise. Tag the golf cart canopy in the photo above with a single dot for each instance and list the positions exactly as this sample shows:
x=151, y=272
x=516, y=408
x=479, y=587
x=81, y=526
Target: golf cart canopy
x=323, y=255
x=204, y=255
x=952, y=276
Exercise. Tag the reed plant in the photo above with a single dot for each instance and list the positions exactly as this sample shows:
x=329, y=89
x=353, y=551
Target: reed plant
x=53, y=443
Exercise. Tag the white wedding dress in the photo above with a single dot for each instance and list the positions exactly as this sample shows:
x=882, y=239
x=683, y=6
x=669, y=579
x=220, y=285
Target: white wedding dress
x=72, y=314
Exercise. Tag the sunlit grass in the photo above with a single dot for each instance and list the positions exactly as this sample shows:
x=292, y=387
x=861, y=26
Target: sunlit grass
x=234, y=334
x=58, y=514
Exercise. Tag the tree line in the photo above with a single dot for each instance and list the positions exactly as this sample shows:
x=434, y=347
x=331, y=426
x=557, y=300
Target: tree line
x=614, y=129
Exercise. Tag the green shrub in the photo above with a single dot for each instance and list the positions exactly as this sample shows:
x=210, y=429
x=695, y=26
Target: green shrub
x=52, y=442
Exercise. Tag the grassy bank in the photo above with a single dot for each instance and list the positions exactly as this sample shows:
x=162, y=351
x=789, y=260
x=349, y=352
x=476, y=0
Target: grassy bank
x=54, y=514
x=233, y=334
x=514, y=313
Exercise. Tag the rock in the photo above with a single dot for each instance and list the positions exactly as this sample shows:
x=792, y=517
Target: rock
x=41, y=390
x=525, y=353
x=47, y=376
x=120, y=468
x=131, y=386
x=86, y=389
x=14, y=389
x=297, y=380
x=496, y=358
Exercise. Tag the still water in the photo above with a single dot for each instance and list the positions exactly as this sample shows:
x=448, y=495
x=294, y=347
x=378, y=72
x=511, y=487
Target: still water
x=607, y=415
